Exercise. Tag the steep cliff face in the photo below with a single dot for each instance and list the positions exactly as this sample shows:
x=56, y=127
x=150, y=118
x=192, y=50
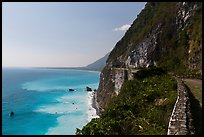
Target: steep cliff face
x=164, y=34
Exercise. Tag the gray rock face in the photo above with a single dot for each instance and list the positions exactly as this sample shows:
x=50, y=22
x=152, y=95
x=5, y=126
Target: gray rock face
x=184, y=12
x=144, y=52
x=120, y=76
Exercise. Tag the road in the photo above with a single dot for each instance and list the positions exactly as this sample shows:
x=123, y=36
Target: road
x=195, y=82
x=196, y=88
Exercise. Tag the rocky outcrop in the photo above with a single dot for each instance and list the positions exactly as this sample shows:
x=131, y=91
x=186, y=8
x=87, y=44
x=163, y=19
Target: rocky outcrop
x=143, y=54
x=105, y=90
x=118, y=79
x=88, y=89
x=185, y=12
x=71, y=89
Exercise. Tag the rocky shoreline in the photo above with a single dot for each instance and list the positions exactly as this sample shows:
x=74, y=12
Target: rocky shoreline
x=95, y=103
x=92, y=112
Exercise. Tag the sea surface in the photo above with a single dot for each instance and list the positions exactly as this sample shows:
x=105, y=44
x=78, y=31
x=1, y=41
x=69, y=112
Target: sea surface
x=41, y=101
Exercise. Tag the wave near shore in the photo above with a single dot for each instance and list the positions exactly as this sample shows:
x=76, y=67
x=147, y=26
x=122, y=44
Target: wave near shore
x=91, y=102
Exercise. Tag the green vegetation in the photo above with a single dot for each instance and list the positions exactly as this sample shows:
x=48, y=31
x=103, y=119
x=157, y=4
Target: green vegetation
x=143, y=106
x=178, y=58
x=148, y=72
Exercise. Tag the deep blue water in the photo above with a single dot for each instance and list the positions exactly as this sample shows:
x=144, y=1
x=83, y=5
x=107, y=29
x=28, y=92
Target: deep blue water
x=41, y=101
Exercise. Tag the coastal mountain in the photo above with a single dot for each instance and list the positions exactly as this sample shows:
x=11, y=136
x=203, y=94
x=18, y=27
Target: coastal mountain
x=165, y=35
x=98, y=64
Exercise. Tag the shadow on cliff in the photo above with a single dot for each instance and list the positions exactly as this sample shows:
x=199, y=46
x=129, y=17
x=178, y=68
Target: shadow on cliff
x=196, y=112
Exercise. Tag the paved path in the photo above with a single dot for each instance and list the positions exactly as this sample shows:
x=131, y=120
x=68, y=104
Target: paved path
x=195, y=82
x=195, y=86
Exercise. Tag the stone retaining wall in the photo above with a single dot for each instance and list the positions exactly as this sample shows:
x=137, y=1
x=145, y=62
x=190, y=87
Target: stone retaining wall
x=181, y=120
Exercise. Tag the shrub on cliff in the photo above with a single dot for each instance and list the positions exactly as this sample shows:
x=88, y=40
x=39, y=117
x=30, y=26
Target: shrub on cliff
x=143, y=106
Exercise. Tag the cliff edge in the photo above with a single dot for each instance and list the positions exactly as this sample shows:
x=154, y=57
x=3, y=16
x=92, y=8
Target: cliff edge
x=164, y=34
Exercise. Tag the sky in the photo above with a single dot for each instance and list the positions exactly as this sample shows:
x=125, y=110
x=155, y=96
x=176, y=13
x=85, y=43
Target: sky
x=63, y=34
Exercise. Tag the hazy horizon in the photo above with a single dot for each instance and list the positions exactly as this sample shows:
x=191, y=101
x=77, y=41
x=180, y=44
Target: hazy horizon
x=62, y=34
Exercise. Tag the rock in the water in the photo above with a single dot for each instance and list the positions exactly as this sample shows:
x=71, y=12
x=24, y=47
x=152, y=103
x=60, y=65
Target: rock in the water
x=88, y=89
x=71, y=89
x=11, y=113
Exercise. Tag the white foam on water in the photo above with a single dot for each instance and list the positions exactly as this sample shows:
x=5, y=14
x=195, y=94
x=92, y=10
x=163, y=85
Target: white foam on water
x=74, y=98
x=59, y=109
x=71, y=117
x=73, y=113
x=91, y=111
x=75, y=110
x=67, y=124
x=66, y=104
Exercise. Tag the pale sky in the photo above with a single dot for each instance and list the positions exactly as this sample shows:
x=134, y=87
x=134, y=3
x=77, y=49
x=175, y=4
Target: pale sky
x=63, y=34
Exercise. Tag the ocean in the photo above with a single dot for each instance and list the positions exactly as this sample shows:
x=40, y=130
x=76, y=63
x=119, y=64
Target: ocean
x=42, y=103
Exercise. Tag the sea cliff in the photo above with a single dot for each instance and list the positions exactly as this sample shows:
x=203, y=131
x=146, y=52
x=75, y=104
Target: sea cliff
x=164, y=34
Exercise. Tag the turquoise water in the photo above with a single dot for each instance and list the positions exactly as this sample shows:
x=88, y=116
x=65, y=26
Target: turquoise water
x=41, y=101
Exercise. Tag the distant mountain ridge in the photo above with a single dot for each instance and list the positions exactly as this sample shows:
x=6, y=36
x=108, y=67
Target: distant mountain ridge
x=98, y=64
